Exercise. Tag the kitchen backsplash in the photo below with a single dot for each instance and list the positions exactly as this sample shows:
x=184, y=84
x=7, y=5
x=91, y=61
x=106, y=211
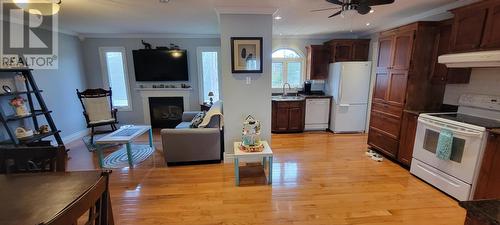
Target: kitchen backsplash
x=483, y=81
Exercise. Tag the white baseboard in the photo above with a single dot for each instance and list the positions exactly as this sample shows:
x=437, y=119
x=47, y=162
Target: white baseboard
x=75, y=136
x=228, y=157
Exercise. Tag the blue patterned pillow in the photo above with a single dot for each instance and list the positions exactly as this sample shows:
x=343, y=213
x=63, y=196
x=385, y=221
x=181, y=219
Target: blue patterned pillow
x=197, y=120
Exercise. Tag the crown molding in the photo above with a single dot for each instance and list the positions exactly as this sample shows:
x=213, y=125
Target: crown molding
x=438, y=13
x=151, y=35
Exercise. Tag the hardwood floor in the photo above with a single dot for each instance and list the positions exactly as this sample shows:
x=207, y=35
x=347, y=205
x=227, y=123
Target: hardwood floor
x=319, y=178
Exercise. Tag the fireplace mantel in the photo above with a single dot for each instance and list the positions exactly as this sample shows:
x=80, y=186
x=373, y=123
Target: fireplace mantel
x=146, y=93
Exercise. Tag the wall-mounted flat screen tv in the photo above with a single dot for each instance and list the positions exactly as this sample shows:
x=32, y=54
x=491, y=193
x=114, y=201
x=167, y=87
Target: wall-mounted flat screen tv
x=160, y=65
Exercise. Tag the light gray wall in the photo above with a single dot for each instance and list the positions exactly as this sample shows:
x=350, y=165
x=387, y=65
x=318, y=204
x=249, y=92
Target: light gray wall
x=484, y=81
x=95, y=78
x=59, y=87
x=241, y=99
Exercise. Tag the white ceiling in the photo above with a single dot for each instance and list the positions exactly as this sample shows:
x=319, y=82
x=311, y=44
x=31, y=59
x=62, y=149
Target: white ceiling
x=199, y=17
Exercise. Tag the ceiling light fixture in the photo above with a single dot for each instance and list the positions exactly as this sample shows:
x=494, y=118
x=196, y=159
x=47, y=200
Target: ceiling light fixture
x=39, y=7
x=278, y=17
x=372, y=10
x=367, y=24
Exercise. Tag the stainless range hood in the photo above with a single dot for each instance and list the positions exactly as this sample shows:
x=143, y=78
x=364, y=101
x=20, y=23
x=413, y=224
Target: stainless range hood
x=471, y=59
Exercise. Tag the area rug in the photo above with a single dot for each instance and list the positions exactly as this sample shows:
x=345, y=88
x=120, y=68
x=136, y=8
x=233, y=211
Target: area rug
x=91, y=146
x=119, y=158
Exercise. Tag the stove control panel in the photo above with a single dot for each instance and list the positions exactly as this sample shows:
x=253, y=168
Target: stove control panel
x=480, y=101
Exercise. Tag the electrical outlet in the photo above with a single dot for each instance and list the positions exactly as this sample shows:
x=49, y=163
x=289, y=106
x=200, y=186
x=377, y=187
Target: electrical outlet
x=249, y=80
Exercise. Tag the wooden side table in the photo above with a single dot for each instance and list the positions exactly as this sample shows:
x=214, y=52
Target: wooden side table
x=266, y=155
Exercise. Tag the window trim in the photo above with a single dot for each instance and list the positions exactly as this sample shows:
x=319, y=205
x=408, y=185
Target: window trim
x=302, y=60
x=105, y=76
x=199, y=50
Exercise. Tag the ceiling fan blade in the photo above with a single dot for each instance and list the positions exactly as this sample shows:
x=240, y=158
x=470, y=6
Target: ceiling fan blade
x=375, y=2
x=363, y=9
x=336, y=2
x=319, y=10
x=335, y=14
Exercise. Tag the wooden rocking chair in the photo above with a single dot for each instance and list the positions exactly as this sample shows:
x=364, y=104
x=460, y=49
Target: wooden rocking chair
x=98, y=109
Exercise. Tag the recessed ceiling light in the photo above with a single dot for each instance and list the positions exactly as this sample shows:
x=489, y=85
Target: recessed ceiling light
x=367, y=24
x=372, y=10
x=278, y=17
x=164, y=1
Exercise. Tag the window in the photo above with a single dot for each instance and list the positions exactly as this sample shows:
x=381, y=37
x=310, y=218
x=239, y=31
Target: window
x=287, y=68
x=114, y=71
x=208, y=73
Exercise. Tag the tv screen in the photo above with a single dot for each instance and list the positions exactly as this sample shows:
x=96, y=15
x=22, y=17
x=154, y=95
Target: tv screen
x=160, y=65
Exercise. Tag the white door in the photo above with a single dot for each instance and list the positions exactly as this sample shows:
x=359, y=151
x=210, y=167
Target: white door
x=466, y=148
x=348, y=118
x=354, y=82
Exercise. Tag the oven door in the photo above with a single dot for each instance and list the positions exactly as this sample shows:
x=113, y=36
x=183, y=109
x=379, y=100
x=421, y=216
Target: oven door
x=466, y=148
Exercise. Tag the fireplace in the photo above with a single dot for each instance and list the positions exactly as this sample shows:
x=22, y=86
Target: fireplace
x=165, y=112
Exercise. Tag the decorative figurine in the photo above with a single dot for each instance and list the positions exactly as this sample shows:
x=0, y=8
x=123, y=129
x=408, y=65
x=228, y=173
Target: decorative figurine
x=251, y=136
x=146, y=45
x=18, y=104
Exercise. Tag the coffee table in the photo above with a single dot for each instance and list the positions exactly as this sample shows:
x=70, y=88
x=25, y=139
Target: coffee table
x=125, y=135
x=265, y=155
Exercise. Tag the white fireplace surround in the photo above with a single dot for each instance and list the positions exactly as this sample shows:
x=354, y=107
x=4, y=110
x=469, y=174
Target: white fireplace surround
x=147, y=93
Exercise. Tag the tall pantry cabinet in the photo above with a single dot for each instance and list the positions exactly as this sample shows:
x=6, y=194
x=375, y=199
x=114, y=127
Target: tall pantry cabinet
x=403, y=81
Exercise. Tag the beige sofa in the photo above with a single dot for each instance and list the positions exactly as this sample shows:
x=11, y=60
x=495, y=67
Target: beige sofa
x=185, y=145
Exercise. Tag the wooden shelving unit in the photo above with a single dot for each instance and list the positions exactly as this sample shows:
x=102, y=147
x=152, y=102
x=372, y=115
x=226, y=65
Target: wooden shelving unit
x=19, y=149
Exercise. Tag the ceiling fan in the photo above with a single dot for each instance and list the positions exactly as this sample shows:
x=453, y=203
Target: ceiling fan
x=348, y=6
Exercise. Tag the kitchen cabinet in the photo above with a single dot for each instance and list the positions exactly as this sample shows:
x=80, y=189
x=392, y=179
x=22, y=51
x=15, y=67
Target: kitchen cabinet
x=317, y=113
x=440, y=73
x=402, y=81
x=407, y=140
x=475, y=27
x=342, y=50
x=488, y=184
x=317, y=62
x=287, y=116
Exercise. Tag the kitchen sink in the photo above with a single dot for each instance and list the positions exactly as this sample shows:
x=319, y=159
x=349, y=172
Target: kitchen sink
x=287, y=98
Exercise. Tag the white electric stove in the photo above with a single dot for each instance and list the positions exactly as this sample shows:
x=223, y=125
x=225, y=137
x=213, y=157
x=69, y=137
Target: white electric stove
x=456, y=176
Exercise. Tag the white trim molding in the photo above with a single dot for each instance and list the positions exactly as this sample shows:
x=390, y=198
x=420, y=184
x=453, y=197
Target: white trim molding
x=75, y=136
x=147, y=93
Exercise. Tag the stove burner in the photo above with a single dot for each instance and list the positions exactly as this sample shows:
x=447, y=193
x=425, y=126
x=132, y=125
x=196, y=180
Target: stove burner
x=478, y=121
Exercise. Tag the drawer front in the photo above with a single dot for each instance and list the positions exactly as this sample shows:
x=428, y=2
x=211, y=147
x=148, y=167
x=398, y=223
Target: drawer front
x=295, y=104
x=386, y=123
x=383, y=142
x=384, y=107
x=282, y=104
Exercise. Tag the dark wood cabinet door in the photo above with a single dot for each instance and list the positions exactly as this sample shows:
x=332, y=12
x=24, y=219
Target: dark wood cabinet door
x=381, y=85
x=488, y=185
x=282, y=119
x=295, y=119
x=385, y=52
x=440, y=73
x=403, y=46
x=382, y=142
x=343, y=51
x=396, y=91
x=360, y=50
x=491, y=36
x=408, y=132
x=317, y=62
x=467, y=29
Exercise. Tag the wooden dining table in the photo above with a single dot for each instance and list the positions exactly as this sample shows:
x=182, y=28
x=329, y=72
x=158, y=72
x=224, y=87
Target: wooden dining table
x=55, y=198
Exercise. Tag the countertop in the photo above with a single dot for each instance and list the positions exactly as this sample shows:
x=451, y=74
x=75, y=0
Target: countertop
x=495, y=131
x=315, y=96
x=487, y=209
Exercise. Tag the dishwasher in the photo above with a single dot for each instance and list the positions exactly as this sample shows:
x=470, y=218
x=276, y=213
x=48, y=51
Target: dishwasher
x=317, y=113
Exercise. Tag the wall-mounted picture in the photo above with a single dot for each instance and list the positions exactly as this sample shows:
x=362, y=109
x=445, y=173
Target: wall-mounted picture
x=246, y=54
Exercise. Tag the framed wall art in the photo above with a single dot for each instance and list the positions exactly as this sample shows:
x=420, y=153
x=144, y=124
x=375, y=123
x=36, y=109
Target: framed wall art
x=246, y=54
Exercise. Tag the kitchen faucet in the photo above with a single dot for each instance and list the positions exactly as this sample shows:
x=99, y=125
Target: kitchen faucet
x=285, y=93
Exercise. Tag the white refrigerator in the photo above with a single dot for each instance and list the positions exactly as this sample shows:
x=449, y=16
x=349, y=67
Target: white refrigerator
x=349, y=84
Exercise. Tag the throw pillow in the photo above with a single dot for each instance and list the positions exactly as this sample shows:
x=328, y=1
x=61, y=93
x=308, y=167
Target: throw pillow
x=197, y=120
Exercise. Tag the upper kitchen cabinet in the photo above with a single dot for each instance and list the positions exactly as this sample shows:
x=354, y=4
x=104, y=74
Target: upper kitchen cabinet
x=342, y=50
x=440, y=73
x=475, y=27
x=317, y=62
